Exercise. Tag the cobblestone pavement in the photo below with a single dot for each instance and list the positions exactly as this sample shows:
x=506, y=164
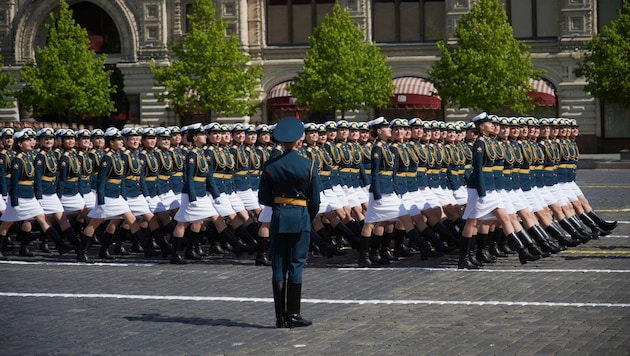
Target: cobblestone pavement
x=576, y=302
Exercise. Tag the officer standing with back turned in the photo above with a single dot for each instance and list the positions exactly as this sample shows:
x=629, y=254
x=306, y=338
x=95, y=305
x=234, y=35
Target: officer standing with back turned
x=291, y=186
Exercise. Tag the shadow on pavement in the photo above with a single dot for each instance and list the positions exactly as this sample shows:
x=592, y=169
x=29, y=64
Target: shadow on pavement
x=158, y=318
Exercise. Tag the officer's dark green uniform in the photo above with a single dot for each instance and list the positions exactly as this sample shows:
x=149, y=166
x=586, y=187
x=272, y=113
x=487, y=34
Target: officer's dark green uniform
x=291, y=186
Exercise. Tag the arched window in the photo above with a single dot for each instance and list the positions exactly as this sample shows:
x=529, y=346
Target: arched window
x=102, y=32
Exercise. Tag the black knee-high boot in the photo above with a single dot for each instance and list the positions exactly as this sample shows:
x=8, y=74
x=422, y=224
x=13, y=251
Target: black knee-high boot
x=385, y=244
x=531, y=245
x=176, y=258
x=239, y=248
x=3, y=241
x=606, y=225
x=24, y=237
x=435, y=241
x=575, y=234
x=502, y=241
x=327, y=246
x=472, y=251
x=190, y=252
x=446, y=234
x=577, y=223
x=563, y=240
x=145, y=241
x=84, y=242
x=425, y=248
x=106, y=240
x=493, y=245
x=545, y=246
x=158, y=236
x=364, y=255
x=279, y=301
x=464, y=252
x=262, y=252
x=483, y=250
x=60, y=245
x=246, y=237
x=597, y=231
x=294, y=300
x=400, y=250
x=519, y=247
x=375, y=253
x=348, y=235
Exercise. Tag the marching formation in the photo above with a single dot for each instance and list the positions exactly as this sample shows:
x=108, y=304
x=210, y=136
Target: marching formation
x=490, y=188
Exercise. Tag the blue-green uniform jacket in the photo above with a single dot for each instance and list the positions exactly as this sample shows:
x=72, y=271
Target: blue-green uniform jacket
x=134, y=169
x=482, y=176
x=196, y=171
x=240, y=178
x=111, y=177
x=405, y=170
x=255, y=167
x=87, y=171
x=165, y=166
x=177, y=173
x=151, y=171
x=46, y=171
x=69, y=174
x=424, y=158
x=22, y=183
x=6, y=156
x=552, y=157
x=366, y=161
x=384, y=165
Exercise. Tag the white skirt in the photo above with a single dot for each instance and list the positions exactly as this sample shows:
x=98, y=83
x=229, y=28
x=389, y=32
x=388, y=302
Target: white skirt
x=3, y=204
x=427, y=199
x=461, y=195
x=112, y=209
x=389, y=208
x=482, y=208
x=198, y=210
x=265, y=214
x=170, y=200
x=27, y=208
x=72, y=203
x=248, y=199
x=138, y=205
x=341, y=195
x=51, y=204
x=155, y=204
x=324, y=206
x=445, y=196
x=507, y=201
x=353, y=198
x=332, y=199
x=518, y=200
x=410, y=200
x=90, y=200
x=568, y=191
x=576, y=190
x=223, y=205
x=535, y=202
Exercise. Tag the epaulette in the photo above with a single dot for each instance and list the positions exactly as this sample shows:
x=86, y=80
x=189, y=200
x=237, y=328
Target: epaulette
x=19, y=155
x=109, y=153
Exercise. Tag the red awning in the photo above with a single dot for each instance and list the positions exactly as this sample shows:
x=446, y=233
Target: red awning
x=415, y=93
x=280, y=98
x=543, y=92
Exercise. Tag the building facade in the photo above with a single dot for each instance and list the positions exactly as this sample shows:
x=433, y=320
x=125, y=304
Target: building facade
x=135, y=33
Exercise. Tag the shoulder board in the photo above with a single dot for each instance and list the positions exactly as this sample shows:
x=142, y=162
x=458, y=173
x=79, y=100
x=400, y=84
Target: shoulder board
x=109, y=153
x=20, y=155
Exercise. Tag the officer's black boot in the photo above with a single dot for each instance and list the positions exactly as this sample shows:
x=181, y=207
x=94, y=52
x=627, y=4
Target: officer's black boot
x=557, y=234
x=106, y=240
x=81, y=249
x=571, y=230
x=364, y=256
x=502, y=242
x=70, y=235
x=328, y=247
x=386, y=241
x=450, y=225
x=519, y=247
x=464, y=262
x=279, y=302
x=493, y=245
x=400, y=250
x=24, y=237
x=348, y=235
x=3, y=241
x=244, y=235
x=145, y=241
x=531, y=245
x=446, y=235
x=472, y=251
x=593, y=226
x=238, y=247
x=606, y=225
x=43, y=244
x=355, y=227
x=190, y=252
x=375, y=255
x=575, y=220
x=263, y=250
x=541, y=241
x=483, y=250
x=425, y=248
x=435, y=241
x=158, y=236
x=198, y=245
x=555, y=246
x=60, y=245
x=294, y=299
x=176, y=258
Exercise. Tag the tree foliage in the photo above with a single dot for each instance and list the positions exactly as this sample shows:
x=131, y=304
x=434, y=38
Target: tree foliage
x=488, y=69
x=210, y=73
x=6, y=80
x=66, y=81
x=606, y=65
x=341, y=70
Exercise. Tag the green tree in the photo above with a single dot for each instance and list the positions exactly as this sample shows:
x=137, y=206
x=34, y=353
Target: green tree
x=210, y=73
x=341, y=70
x=606, y=65
x=488, y=69
x=6, y=80
x=66, y=81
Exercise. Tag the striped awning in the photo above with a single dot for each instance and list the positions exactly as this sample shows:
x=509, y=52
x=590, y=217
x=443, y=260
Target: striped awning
x=279, y=91
x=543, y=92
x=415, y=93
x=280, y=98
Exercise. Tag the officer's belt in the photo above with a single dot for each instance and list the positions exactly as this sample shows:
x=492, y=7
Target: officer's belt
x=536, y=167
x=507, y=171
x=49, y=179
x=7, y=176
x=164, y=177
x=421, y=169
x=254, y=171
x=349, y=170
x=568, y=165
x=433, y=171
x=487, y=169
x=368, y=171
x=150, y=179
x=324, y=173
x=386, y=173
x=25, y=182
x=290, y=201
x=177, y=174
x=222, y=175
x=132, y=177
x=85, y=177
x=524, y=171
x=407, y=174
x=72, y=179
x=468, y=166
x=550, y=168
x=113, y=181
x=199, y=179
x=498, y=168
x=241, y=173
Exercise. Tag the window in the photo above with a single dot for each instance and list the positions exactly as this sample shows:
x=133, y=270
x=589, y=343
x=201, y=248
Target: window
x=409, y=20
x=533, y=19
x=290, y=22
x=606, y=12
